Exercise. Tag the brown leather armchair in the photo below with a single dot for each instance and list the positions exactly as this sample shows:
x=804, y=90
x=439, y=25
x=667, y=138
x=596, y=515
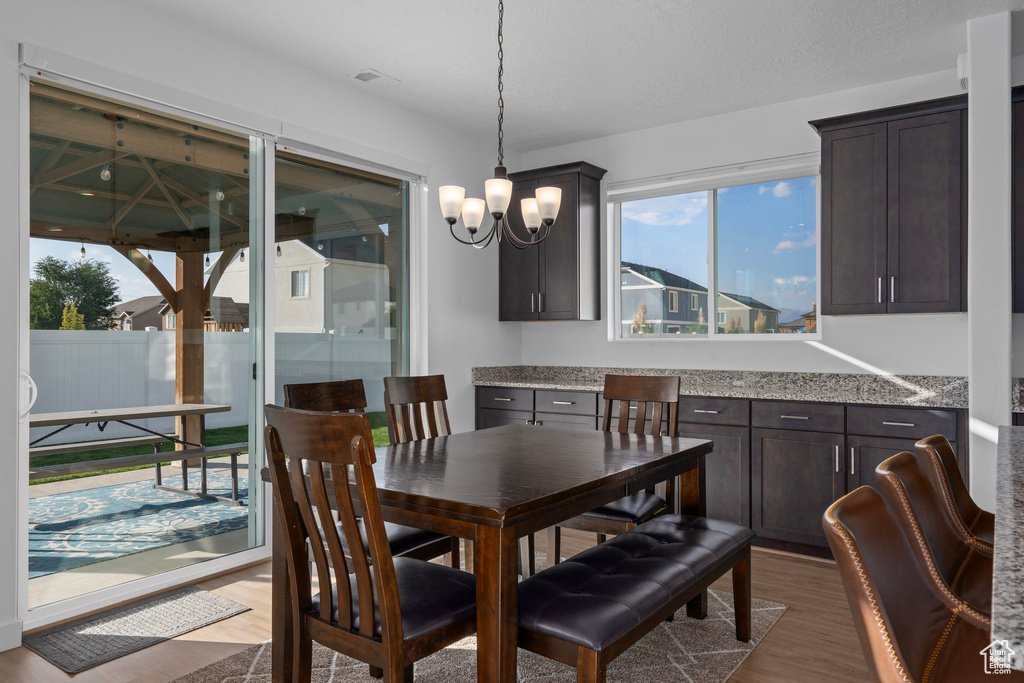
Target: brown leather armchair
x=939, y=463
x=911, y=626
x=940, y=548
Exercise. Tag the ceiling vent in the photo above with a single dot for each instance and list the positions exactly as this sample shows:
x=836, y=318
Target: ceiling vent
x=375, y=77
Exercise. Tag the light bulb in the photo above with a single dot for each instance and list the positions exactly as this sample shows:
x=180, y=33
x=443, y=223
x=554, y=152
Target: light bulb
x=451, y=197
x=548, y=200
x=105, y=173
x=320, y=246
x=531, y=214
x=499, y=194
x=219, y=194
x=473, y=213
x=302, y=211
x=207, y=260
x=241, y=256
x=82, y=253
x=279, y=250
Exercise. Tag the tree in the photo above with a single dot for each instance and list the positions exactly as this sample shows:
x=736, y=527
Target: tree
x=702, y=325
x=760, y=323
x=87, y=284
x=73, y=320
x=640, y=323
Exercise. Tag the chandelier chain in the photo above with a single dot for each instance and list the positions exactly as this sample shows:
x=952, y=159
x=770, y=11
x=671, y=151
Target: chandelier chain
x=501, y=100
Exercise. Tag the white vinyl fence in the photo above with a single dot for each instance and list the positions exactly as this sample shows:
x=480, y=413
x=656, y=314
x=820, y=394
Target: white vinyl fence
x=88, y=370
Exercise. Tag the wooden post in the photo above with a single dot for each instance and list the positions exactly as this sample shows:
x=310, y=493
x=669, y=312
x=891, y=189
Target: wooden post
x=188, y=336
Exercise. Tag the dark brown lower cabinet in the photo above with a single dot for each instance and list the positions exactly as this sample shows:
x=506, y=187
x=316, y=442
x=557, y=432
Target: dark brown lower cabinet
x=491, y=417
x=728, y=470
x=865, y=453
x=795, y=476
x=561, y=421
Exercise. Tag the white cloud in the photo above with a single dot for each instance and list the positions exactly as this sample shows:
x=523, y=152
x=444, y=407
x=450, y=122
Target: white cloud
x=791, y=245
x=762, y=189
x=681, y=212
x=783, y=189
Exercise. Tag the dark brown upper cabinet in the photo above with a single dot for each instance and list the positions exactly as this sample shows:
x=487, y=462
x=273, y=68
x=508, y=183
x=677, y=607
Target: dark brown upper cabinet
x=558, y=279
x=894, y=209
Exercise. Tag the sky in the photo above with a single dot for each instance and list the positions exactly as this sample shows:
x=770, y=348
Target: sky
x=767, y=246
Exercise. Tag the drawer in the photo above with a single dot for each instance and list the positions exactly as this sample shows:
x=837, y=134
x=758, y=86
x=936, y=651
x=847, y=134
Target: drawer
x=560, y=421
x=804, y=417
x=572, y=402
x=715, y=411
x=907, y=423
x=504, y=398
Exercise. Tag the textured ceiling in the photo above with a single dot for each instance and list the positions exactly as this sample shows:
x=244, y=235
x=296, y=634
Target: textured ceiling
x=578, y=69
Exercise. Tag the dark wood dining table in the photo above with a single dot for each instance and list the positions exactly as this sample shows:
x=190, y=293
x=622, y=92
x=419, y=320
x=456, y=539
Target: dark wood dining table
x=494, y=486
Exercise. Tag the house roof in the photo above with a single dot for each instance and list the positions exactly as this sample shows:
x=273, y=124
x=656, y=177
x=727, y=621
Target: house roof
x=663, y=277
x=797, y=324
x=224, y=310
x=749, y=302
x=137, y=306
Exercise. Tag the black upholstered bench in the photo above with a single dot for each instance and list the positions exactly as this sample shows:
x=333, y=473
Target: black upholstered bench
x=589, y=609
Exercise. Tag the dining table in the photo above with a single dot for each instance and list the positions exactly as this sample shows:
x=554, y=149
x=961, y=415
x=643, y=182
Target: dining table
x=494, y=486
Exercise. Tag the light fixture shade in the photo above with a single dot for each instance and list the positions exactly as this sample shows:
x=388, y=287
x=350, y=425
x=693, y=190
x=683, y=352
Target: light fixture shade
x=451, y=200
x=531, y=214
x=548, y=201
x=499, y=194
x=473, y=212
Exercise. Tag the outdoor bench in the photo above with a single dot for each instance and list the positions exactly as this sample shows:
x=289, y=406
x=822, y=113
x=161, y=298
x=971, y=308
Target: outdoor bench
x=587, y=610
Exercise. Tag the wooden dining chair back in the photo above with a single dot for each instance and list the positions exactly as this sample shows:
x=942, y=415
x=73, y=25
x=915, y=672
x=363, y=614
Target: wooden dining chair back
x=341, y=396
x=415, y=408
x=358, y=610
x=640, y=399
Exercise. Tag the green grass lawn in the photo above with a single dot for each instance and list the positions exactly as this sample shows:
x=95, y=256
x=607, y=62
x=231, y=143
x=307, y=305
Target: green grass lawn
x=214, y=437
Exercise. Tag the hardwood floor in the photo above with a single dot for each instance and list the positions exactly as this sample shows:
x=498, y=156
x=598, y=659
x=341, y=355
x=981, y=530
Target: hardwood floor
x=814, y=641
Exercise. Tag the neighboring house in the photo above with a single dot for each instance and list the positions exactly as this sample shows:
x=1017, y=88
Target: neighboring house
x=674, y=304
x=314, y=293
x=138, y=314
x=805, y=324
x=223, y=315
x=738, y=313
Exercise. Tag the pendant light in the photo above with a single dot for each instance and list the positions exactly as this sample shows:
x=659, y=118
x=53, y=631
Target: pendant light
x=541, y=209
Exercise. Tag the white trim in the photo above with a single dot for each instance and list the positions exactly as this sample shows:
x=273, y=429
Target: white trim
x=673, y=294
x=418, y=221
x=613, y=270
x=24, y=218
x=353, y=154
x=10, y=634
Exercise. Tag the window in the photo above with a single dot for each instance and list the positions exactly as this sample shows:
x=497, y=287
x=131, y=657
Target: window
x=300, y=284
x=761, y=239
x=672, y=329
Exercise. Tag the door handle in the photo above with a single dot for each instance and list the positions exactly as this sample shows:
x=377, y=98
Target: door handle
x=33, y=395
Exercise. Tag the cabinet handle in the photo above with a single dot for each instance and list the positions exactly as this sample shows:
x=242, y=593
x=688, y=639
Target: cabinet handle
x=837, y=460
x=853, y=461
x=709, y=412
x=899, y=424
x=879, y=289
x=564, y=403
x=892, y=289
x=533, y=308
x=498, y=398
x=540, y=302
x=795, y=417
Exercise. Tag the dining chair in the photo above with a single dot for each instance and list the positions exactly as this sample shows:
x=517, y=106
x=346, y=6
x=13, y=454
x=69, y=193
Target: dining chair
x=348, y=396
x=939, y=462
x=386, y=611
x=939, y=546
x=416, y=408
x=636, y=397
x=910, y=625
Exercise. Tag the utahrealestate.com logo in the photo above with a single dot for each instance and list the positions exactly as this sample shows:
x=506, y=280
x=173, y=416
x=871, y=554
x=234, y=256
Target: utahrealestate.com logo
x=998, y=657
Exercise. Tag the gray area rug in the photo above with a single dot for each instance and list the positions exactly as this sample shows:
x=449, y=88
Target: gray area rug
x=682, y=650
x=87, y=642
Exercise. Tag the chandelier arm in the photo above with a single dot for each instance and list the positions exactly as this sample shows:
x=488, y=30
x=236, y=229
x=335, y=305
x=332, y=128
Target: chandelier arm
x=520, y=243
x=471, y=242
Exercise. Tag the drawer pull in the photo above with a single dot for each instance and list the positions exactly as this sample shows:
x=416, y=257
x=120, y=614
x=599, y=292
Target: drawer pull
x=837, y=458
x=709, y=412
x=564, y=403
x=795, y=417
x=498, y=398
x=853, y=460
x=899, y=424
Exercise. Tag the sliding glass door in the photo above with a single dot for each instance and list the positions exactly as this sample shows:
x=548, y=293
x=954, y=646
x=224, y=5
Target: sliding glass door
x=141, y=296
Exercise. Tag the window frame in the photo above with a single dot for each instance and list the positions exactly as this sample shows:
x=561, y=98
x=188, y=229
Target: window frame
x=706, y=180
x=673, y=301
x=306, y=281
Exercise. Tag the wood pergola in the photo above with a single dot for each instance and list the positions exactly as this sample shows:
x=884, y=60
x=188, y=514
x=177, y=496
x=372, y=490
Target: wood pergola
x=161, y=194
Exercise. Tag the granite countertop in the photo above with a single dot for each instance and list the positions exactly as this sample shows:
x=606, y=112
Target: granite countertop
x=910, y=390
x=1007, y=578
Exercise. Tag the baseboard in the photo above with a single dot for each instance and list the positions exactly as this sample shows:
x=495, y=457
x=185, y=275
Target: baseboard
x=10, y=635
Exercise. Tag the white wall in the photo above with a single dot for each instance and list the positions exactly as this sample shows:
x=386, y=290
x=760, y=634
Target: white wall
x=162, y=50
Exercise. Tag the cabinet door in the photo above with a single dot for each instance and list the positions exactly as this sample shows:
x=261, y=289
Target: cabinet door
x=518, y=274
x=865, y=453
x=728, y=470
x=559, y=255
x=924, y=213
x=489, y=417
x=853, y=220
x=795, y=476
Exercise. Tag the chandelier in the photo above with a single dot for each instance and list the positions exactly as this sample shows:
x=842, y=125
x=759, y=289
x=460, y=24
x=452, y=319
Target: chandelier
x=539, y=210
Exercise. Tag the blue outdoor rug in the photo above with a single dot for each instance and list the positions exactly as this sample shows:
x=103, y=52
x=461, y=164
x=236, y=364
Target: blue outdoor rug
x=69, y=530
